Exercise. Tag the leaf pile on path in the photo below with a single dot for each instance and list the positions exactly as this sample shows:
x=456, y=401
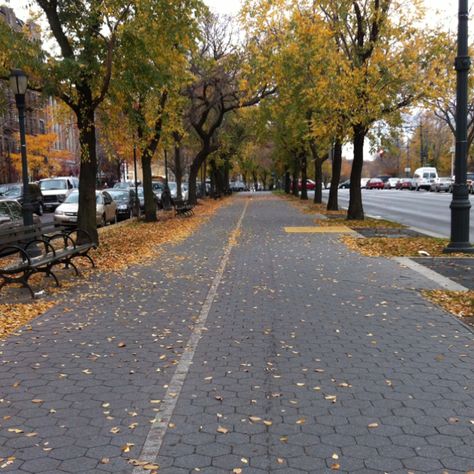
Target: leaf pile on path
x=368, y=222
x=396, y=246
x=137, y=241
x=13, y=316
x=459, y=303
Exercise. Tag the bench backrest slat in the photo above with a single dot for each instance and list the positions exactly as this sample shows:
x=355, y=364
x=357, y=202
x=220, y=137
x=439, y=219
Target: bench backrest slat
x=22, y=234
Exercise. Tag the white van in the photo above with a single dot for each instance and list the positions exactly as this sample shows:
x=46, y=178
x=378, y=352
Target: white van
x=423, y=178
x=56, y=190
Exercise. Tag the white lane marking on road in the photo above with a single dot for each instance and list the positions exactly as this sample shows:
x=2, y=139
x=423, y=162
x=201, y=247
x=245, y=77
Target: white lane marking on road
x=441, y=280
x=157, y=432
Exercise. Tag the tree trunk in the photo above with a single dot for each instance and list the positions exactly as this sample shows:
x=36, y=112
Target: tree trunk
x=226, y=175
x=178, y=172
x=333, y=204
x=356, y=210
x=150, y=203
x=213, y=179
x=193, y=174
x=255, y=180
x=219, y=181
x=318, y=180
x=295, y=190
x=86, y=218
x=119, y=171
x=264, y=180
x=287, y=182
x=304, y=175
x=200, y=158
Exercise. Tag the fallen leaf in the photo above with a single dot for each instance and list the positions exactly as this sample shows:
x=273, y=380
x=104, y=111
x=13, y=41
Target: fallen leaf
x=127, y=447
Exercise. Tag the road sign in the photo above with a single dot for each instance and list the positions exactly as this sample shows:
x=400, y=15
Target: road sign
x=407, y=170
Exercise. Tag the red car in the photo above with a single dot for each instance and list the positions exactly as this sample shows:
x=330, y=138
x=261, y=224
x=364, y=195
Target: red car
x=375, y=183
x=405, y=183
x=310, y=185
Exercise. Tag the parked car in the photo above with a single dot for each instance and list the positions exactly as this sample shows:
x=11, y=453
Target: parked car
x=5, y=187
x=124, y=198
x=11, y=214
x=363, y=183
x=345, y=184
x=310, y=185
x=237, y=186
x=141, y=198
x=124, y=185
x=375, y=183
x=158, y=187
x=384, y=178
x=56, y=190
x=441, y=184
x=184, y=191
x=36, y=197
x=106, y=209
x=423, y=177
x=391, y=183
x=470, y=182
x=405, y=183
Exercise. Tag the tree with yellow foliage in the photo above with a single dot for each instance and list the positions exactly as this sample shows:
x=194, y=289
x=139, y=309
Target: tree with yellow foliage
x=43, y=158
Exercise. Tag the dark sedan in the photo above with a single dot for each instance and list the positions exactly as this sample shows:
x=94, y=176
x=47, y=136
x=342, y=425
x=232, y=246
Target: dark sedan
x=15, y=191
x=124, y=198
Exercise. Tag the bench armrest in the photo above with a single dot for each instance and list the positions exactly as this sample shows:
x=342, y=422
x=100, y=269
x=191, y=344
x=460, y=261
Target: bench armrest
x=16, y=249
x=66, y=238
x=47, y=246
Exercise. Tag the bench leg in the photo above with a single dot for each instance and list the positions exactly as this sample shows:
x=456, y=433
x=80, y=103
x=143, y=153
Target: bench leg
x=23, y=280
x=85, y=255
x=51, y=274
x=69, y=263
x=25, y=283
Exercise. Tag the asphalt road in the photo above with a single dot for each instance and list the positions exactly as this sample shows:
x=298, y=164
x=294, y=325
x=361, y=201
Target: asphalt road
x=428, y=212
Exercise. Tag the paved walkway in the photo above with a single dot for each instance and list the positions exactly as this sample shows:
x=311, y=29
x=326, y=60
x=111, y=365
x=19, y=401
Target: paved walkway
x=244, y=349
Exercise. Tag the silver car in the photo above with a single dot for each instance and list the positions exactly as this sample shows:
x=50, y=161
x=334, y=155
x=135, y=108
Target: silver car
x=106, y=209
x=11, y=214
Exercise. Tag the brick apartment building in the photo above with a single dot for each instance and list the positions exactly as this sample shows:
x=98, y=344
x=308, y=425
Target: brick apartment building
x=41, y=116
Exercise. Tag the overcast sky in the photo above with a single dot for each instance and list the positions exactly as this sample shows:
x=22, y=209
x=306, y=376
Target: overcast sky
x=444, y=10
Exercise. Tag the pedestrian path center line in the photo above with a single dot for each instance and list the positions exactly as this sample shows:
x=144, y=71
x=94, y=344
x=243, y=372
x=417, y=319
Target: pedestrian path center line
x=336, y=229
x=157, y=432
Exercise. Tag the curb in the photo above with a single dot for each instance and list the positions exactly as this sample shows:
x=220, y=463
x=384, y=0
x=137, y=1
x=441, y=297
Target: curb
x=441, y=280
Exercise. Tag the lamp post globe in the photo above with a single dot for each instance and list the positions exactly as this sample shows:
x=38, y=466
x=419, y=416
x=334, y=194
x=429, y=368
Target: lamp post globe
x=18, y=82
x=19, y=85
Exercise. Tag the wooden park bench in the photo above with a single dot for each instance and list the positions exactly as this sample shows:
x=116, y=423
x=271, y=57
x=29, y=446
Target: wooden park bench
x=28, y=250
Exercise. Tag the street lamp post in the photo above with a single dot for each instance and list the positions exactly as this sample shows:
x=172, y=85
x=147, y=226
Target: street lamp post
x=18, y=85
x=460, y=204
